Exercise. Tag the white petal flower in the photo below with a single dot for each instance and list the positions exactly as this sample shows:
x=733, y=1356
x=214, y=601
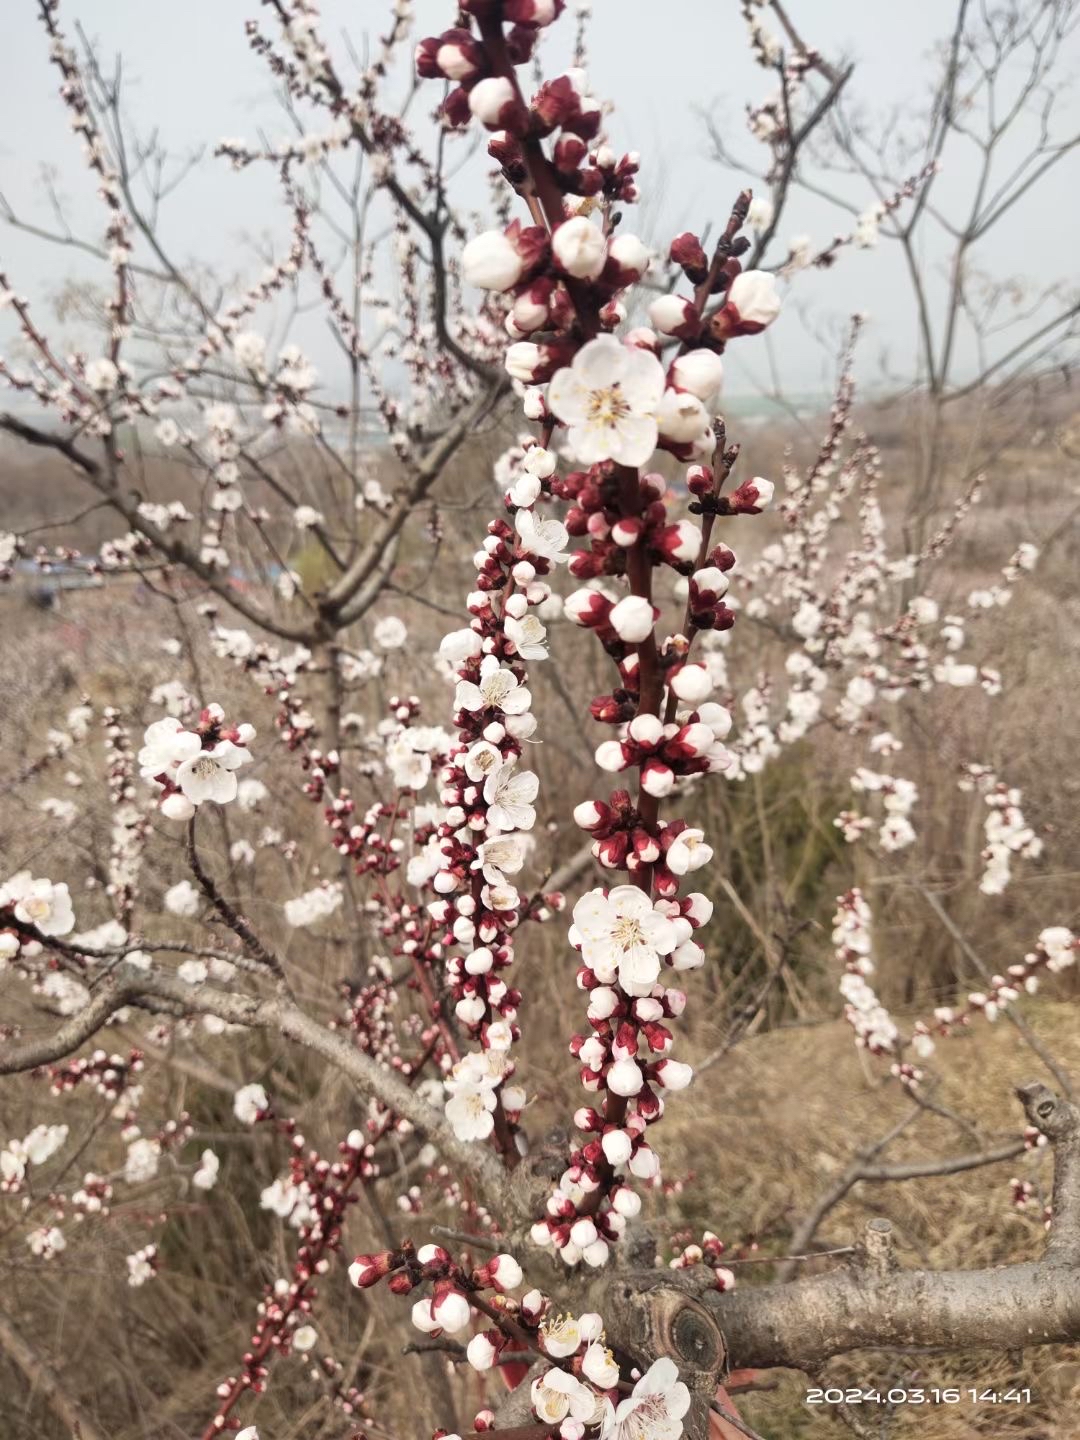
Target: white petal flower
x=528, y=637
x=248, y=1101
x=623, y=936
x=502, y=855
x=545, y=538
x=205, y=1177
x=182, y=899
x=609, y=399
x=166, y=744
x=509, y=797
x=498, y=689
x=688, y=853
x=561, y=1336
x=46, y=906
x=655, y=1408
x=211, y=774
x=390, y=633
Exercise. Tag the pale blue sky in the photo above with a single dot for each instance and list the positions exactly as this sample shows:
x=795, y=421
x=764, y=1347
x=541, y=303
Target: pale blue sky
x=189, y=71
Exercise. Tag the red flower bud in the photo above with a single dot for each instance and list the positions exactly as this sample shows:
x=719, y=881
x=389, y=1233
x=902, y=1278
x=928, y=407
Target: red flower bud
x=686, y=250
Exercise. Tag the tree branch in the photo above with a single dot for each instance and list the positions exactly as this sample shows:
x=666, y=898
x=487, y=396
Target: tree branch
x=806, y=1322
x=519, y=1196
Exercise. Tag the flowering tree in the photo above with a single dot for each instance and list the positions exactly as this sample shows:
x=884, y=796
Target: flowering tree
x=434, y=890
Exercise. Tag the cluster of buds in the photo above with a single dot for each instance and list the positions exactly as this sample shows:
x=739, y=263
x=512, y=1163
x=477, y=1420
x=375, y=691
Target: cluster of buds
x=321, y=1191
x=708, y=1253
x=483, y=839
x=874, y=1027
x=618, y=402
x=108, y=1075
x=130, y=826
x=1006, y=830
x=1055, y=950
x=34, y=1149
x=582, y=1384
x=193, y=766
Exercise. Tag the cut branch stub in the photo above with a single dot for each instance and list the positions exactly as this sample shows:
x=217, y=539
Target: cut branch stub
x=1059, y=1121
x=647, y=1315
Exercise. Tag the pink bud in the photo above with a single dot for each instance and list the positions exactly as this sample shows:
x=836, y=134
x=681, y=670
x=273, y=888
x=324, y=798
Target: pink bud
x=687, y=251
x=590, y=814
x=680, y=543
x=532, y=12
x=682, y=416
x=459, y=57
x=483, y=1350
x=611, y=756
x=657, y=778
x=631, y=257
x=627, y=531
x=752, y=496
x=368, y=1270
x=616, y=1146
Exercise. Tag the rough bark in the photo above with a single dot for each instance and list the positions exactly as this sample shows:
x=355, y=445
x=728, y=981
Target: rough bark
x=804, y=1323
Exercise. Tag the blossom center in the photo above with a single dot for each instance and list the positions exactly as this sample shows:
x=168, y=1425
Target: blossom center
x=608, y=406
x=627, y=932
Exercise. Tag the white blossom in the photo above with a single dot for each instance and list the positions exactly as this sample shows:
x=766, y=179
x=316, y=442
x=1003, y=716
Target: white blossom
x=609, y=398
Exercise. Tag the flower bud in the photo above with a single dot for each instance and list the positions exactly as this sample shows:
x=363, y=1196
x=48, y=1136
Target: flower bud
x=682, y=417
x=579, y=248
x=631, y=256
x=752, y=496
x=626, y=1202
x=587, y=607
x=459, y=57
x=751, y=304
x=625, y=1078
x=494, y=103
x=367, y=1270
x=701, y=372
x=692, y=683
x=532, y=12
x=687, y=252
x=657, y=778
x=483, y=1350
x=617, y=1146
x=590, y=814
x=491, y=261
x=673, y=316
x=673, y=1074
x=177, y=807
x=632, y=619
